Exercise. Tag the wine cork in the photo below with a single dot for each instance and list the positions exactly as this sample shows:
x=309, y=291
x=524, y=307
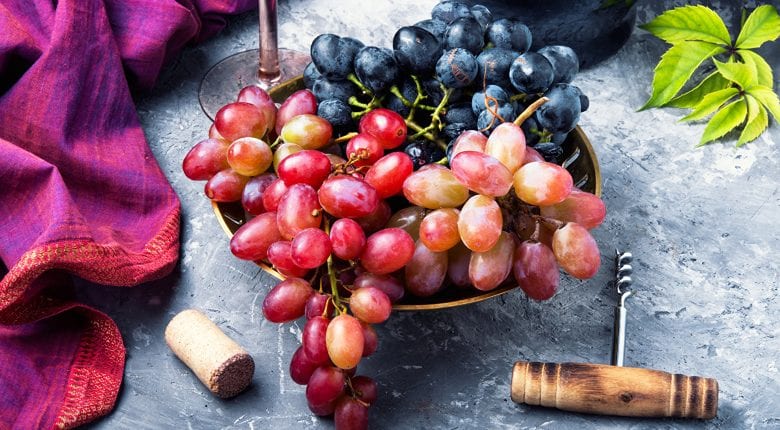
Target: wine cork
x=221, y=364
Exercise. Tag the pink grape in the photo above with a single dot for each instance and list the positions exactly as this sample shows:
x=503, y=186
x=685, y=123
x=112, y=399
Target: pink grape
x=319, y=305
x=252, y=239
x=310, y=248
x=439, y=229
x=536, y=270
x=301, y=367
x=299, y=103
x=370, y=304
x=387, y=175
x=344, y=196
x=391, y=286
x=377, y=219
x=273, y=194
x=469, y=140
x=347, y=239
x=287, y=300
x=214, y=134
x=409, y=219
x=280, y=255
x=542, y=184
x=387, y=126
x=576, y=251
x=387, y=251
x=252, y=196
x=345, y=341
x=225, y=186
x=370, y=339
x=584, y=208
x=365, y=146
x=298, y=210
x=305, y=167
x=236, y=120
x=507, y=144
x=480, y=223
x=487, y=270
x=350, y=414
x=481, y=173
x=364, y=388
x=434, y=187
x=205, y=159
x=426, y=271
x=532, y=155
x=283, y=151
x=307, y=131
x=249, y=156
x=260, y=98
x=325, y=387
x=458, y=260
x=313, y=340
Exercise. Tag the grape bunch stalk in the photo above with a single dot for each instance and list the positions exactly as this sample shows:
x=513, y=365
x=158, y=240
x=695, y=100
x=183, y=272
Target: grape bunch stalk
x=402, y=172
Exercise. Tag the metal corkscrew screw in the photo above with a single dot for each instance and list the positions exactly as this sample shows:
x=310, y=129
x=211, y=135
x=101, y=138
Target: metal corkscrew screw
x=623, y=281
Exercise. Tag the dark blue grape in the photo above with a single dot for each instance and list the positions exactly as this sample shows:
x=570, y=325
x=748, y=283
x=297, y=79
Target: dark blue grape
x=509, y=34
x=416, y=50
x=457, y=68
x=310, y=74
x=409, y=90
x=496, y=97
x=531, y=73
x=584, y=100
x=465, y=33
x=334, y=56
x=483, y=15
x=436, y=27
x=551, y=152
x=337, y=113
x=562, y=112
x=494, y=66
x=449, y=10
x=424, y=152
x=325, y=89
x=487, y=121
x=558, y=138
x=452, y=131
x=531, y=130
x=564, y=61
x=376, y=68
x=461, y=113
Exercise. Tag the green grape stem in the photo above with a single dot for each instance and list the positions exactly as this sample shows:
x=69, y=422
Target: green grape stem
x=345, y=137
x=334, y=289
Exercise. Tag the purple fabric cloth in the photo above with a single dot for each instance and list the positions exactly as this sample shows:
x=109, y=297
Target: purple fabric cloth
x=80, y=192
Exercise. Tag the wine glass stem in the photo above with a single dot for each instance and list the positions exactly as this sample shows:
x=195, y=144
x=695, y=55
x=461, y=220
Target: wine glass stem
x=269, y=72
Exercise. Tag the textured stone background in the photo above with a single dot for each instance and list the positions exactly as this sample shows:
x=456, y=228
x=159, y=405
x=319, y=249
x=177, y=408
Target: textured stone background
x=701, y=222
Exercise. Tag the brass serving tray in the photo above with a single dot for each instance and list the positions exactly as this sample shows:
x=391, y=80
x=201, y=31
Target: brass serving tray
x=580, y=161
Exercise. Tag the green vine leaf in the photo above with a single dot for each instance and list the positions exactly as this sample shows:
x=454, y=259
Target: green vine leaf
x=763, y=25
x=757, y=122
x=689, y=23
x=742, y=74
x=724, y=121
x=676, y=67
x=763, y=69
x=767, y=98
x=713, y=82
x=710, y=103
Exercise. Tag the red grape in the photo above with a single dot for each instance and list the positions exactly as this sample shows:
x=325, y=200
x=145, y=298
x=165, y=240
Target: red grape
x=280, y=255
x=345, y=341
x=532, y=155
x=366, y=148
x=439, y=229
x=205, y=159
x=370, y=339
x=347, y=239
x=305, y=167
x=584, y=208
x=350, y=414
x=313, y=340
x=377, y=219
x=307, y=131
x=409, y=219
x=283, y=151
x=344, y=196
x=310, y=248
x=252, y=197
x=325, y=386
x=249, y=156
x=252, y=239
x=287, y=300
x=237, y=120
x=542, y=184
x=385, y=125
x=258, y=97
x=301, y=367
x=481, y=173
x=214, y=134
x=469, y=140
x=370, y=304
x=319, y=305
x=507, y=144
x=458, y=259
x=298, y=210
x=387, y=175
x=536, y=270
x=364, y=388
x=487, y=270
x=273, y=194
x=225, y=186
x=299, y=103
x=434, y=187
x=425, y=272
x=387, y=283
x=576, y=251
x=480, y=223
x=387, y=251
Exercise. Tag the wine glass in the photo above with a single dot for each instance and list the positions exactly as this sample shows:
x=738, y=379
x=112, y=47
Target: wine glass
x=266, y=67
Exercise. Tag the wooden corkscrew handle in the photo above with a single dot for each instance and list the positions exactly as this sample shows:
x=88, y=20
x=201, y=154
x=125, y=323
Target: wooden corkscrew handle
x=613, y=390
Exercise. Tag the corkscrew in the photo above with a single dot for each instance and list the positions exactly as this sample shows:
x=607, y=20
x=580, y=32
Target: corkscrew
x=614, y=389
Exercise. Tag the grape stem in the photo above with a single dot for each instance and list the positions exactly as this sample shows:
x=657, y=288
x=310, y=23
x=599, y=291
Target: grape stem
x=276, y=142
x=354, y=79
x=345, y=137
x=436, y=115
x=334, y=289
x=530, y=110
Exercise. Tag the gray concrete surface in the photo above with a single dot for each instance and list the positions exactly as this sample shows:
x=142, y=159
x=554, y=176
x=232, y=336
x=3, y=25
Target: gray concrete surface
x=701, y=222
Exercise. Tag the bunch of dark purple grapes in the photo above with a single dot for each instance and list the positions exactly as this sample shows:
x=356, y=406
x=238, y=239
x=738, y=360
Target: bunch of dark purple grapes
x=460, y=70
